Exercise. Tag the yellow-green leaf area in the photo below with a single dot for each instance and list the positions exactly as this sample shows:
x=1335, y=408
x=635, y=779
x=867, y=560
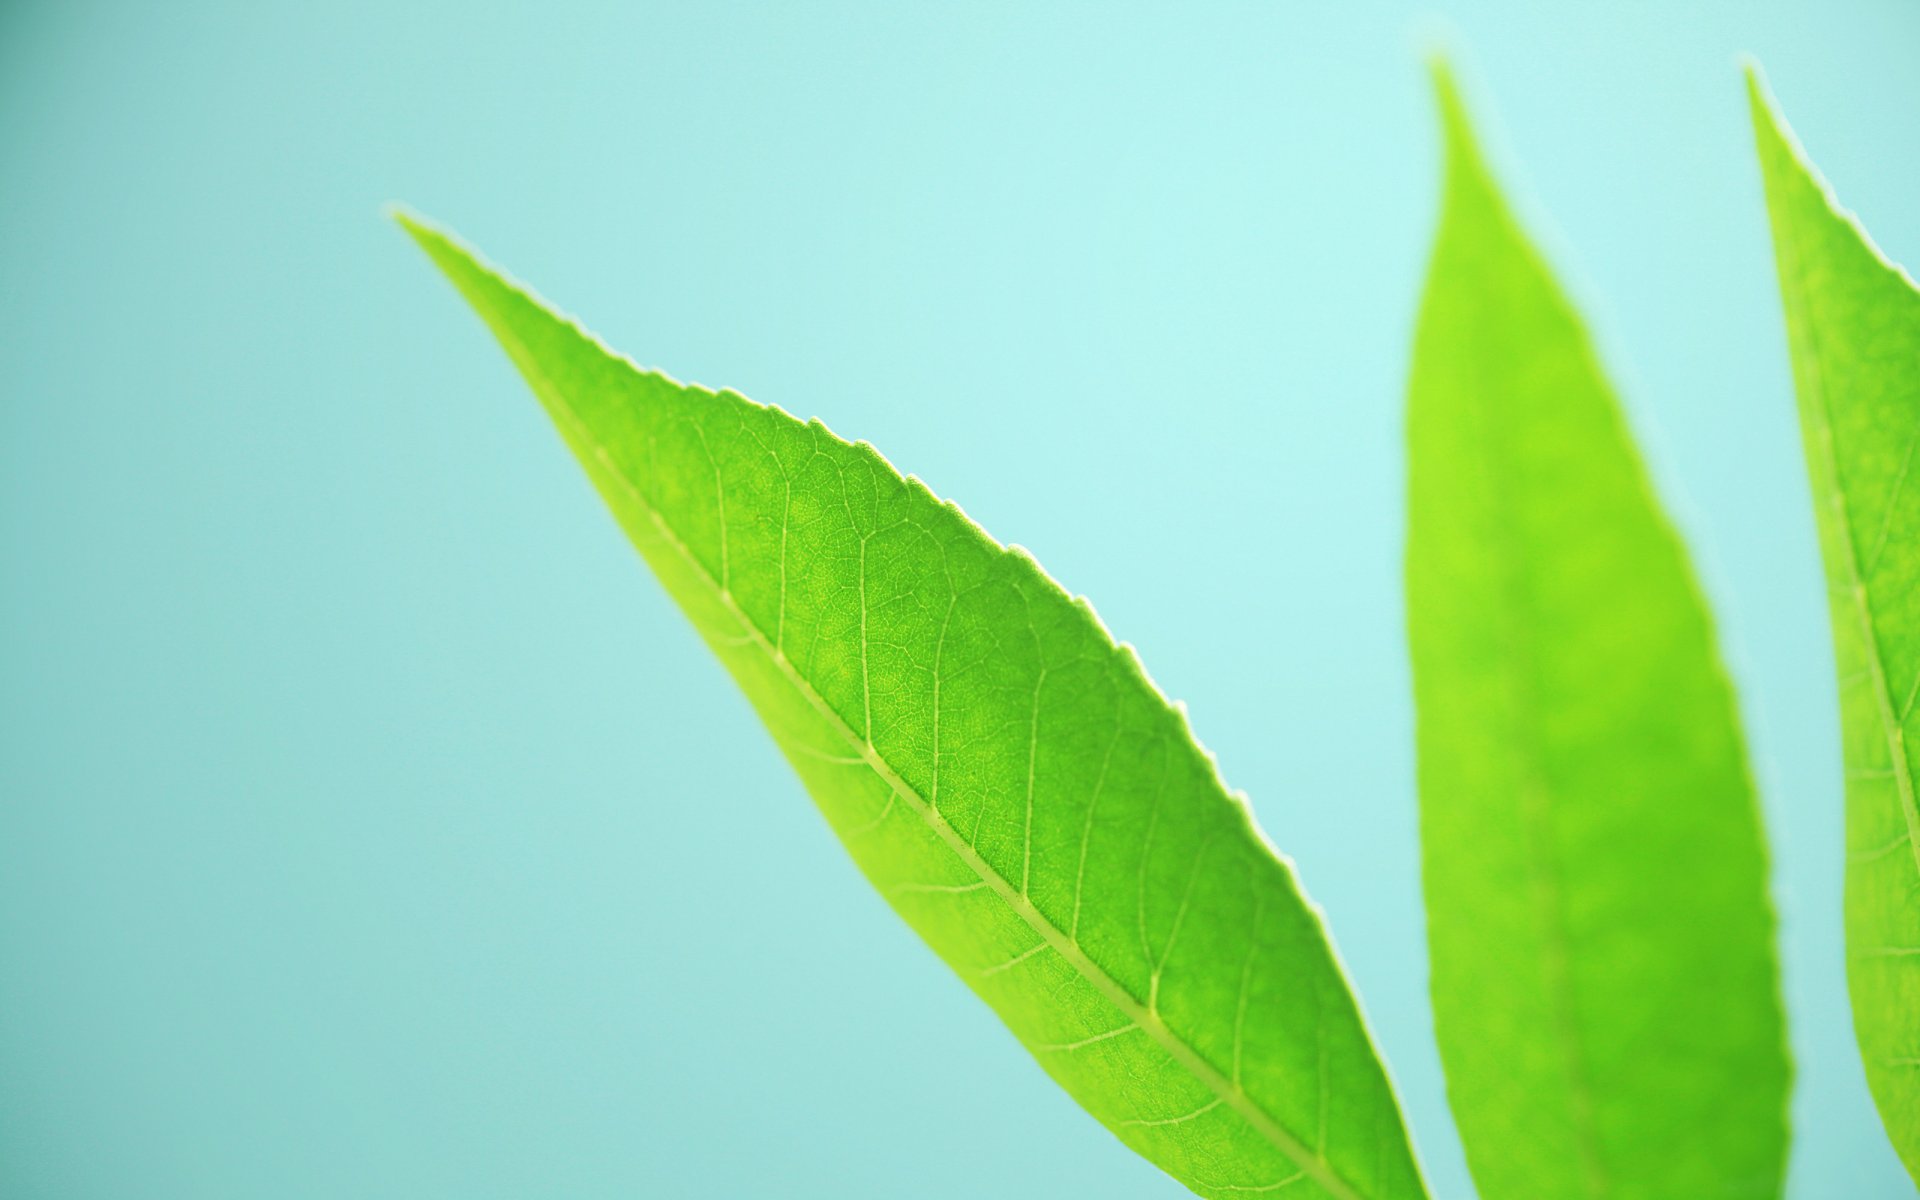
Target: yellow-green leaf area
x=1853, y=328
x=1002, y=772
x=1604, y=981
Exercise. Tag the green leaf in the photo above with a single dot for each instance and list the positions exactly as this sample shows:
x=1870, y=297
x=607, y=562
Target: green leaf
x=1003, y=773
x=1604, y=985
x=1853, y=323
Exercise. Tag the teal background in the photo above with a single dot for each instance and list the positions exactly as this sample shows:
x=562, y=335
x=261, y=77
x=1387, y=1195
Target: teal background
x=371, y=826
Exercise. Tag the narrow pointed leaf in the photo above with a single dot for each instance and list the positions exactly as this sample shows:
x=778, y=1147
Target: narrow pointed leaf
x=1004, y=774
x=1853, y=325
x=1604, y=984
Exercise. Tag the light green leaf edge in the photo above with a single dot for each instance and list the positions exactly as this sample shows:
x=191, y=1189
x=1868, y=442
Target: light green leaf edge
x=1853, y=327
x=1005, y=775
x=1605, y=990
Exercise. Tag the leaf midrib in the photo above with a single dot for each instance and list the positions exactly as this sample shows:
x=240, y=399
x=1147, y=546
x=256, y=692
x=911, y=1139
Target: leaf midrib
x=1537, y=802
x=1539, y=818
x=1140, y=1014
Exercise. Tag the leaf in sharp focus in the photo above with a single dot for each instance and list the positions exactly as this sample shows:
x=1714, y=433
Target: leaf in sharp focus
x=1001, y=771
x=1604, y=983
x=1853, y=325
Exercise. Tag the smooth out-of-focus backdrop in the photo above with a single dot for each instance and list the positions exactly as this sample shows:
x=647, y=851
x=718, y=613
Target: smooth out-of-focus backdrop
x=370, y=824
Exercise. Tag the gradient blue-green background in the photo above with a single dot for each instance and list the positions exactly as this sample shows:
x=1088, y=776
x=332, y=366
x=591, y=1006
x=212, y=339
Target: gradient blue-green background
x=371, y=826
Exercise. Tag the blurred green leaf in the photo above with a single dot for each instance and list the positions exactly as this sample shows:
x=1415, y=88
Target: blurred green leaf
x=1005, y=774
x=1604, y=984
x=1853, y=324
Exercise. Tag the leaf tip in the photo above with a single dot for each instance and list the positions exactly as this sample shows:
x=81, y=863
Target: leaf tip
x=471, y=272
x=1435, y=39
x=1768, y=123
x=421, y=228
x=1463, y=153
x=1445, y=80
x=1781, y=154
x=1787, y=169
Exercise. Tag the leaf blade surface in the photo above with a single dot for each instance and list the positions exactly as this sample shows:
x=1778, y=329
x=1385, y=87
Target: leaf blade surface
x=1853, y=325
x=1001, y=771
x=1603, y=975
